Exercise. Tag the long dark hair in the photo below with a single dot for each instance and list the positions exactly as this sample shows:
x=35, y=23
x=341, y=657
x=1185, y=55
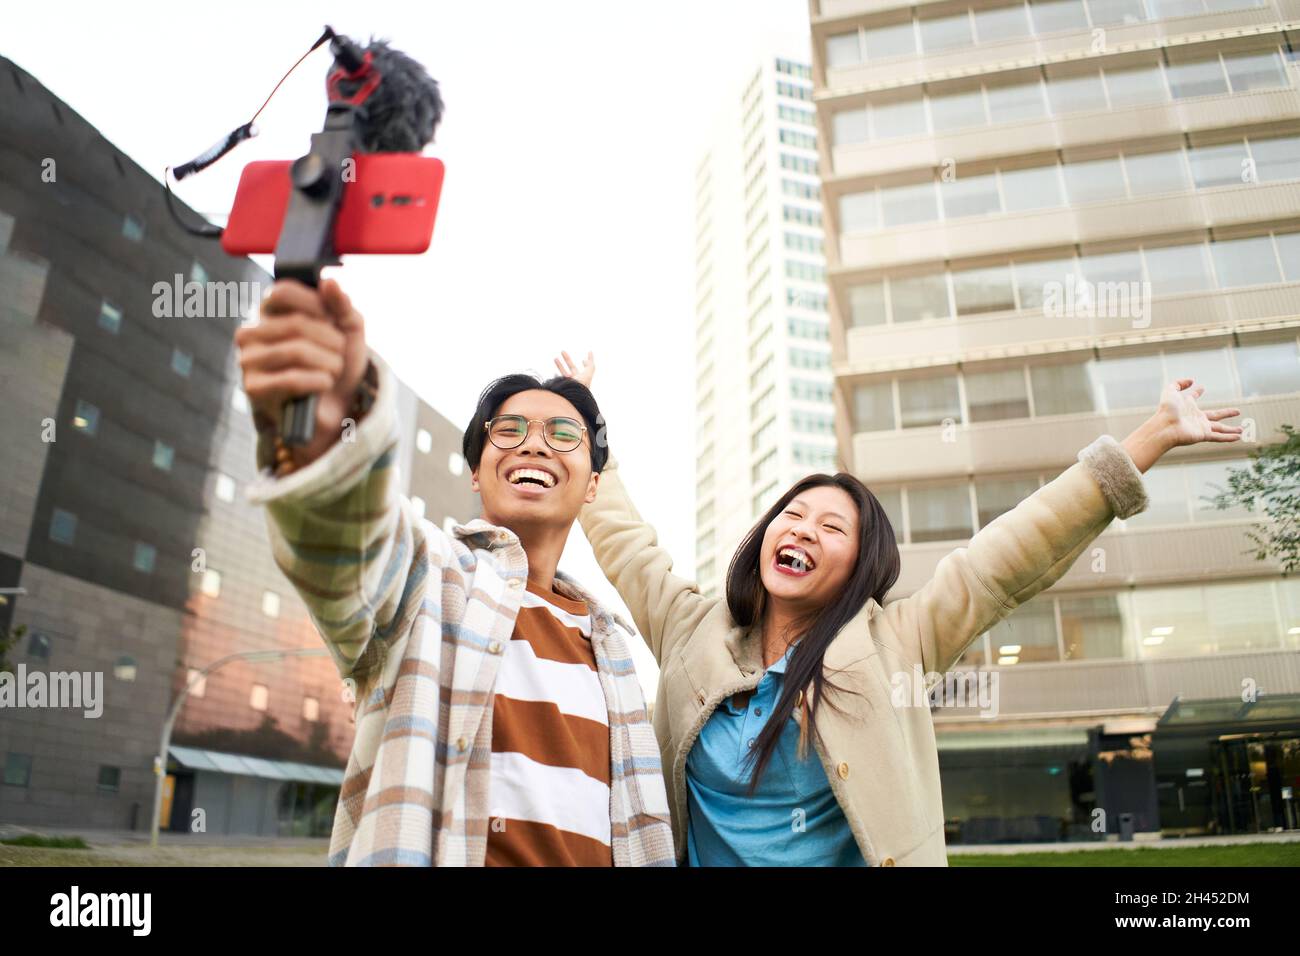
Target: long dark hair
x=873, y=575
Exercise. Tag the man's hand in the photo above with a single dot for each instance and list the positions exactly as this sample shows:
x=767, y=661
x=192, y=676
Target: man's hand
x=306, y=341
x=570, y=370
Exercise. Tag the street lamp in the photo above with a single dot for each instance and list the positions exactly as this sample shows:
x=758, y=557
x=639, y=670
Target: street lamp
x=160, y=761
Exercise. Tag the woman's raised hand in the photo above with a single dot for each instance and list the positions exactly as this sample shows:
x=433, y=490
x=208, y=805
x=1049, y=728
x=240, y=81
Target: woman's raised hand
x=570, y=370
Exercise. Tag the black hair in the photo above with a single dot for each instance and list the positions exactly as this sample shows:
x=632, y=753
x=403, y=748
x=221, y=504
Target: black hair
x=875, y=572
x=499, y=391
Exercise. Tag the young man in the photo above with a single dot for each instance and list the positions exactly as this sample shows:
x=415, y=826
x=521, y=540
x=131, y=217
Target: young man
x=498, y=716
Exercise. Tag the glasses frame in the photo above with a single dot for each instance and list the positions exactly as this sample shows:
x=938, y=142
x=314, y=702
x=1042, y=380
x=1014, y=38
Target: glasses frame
x=528, y=427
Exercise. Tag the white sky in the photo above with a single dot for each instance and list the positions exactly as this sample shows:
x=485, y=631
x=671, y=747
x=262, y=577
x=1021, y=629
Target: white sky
x=571, y=134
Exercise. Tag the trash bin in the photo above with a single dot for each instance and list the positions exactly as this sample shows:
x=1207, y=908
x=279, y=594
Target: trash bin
x=1126, y=827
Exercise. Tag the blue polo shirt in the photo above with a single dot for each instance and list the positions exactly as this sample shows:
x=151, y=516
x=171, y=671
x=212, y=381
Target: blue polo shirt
x=793, y=818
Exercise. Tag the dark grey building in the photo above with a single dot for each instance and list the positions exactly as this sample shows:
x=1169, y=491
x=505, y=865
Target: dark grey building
x=126, y=547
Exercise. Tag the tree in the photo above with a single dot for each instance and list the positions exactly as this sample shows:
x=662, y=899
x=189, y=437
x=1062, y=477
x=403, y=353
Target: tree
x=8, y=639
x=1271, y=485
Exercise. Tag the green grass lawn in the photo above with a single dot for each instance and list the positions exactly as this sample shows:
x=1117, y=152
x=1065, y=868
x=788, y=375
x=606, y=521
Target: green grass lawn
x=1244, y=854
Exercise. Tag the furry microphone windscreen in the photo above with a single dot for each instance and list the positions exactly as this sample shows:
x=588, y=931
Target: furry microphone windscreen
x=402, y=114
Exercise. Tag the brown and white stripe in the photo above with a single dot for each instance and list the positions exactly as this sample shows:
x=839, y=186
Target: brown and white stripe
x=549, y=786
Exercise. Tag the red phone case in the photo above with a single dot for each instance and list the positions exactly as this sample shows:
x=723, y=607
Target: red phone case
x=389, y=208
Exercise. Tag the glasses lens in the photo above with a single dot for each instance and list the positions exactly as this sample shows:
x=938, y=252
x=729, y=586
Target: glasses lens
x=564, y=434
x=507, y=431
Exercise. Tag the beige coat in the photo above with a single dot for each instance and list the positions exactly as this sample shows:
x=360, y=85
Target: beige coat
x=880, y=758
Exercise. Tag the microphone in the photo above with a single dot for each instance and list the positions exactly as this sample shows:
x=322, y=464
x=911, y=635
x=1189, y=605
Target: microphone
x=380, y=101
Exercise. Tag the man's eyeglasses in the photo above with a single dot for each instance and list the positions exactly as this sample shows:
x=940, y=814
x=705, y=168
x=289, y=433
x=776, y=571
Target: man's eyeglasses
x=511, y=431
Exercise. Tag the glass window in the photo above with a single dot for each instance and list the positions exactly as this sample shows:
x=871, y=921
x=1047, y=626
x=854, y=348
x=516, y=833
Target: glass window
x=897, y=39
x=86, y=418
x=182, y=363
x=1113, y=267
x=849, y=126
x=873, y=407
x=125, y=668
x=1049, y=16
x=997, y=396
x=63, y=526
x=110, y=317
x=1033, y=278
x=902, y=205
x=1176, y=269
x=867, y=304
x=270, y=604
x=945, y=33
x=1276, y=158
x=983, y=290
x=1131, y=382
x=1209, y=367
x=1061, y=389
x=18, y=769
x=891, y=499
x=225, y=487
x=1268, y=369
x=1196, y=78
x=1255, y=71
x=1135, y=86
x=996, y=497
x=1168, y=9
x=1094, y=180
x=1242, y=617
x=1108, y=12
x=1206, y=480
x=1001, y=23
x=1034, y=187
x=1166, y=487
x=898, y=118
x=1017, y=101
x=1028, y=636
x=958, y=110
x=860, y=212
x=913, y=298
x=939, y=512
x=928, y=401
x=144, y=557
x=1288, y=593
x=1288, y=248
x=38, y=646
x=1239, y=262
x=842, y=49
x=1222, y=165
x=258, y=698
x=211, y=583
x=1150, y=173
x=1092, y=628
x=970, y=196
x=1074, y=92
x=163, y=456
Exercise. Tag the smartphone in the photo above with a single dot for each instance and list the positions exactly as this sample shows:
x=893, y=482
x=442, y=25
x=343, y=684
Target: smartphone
x=388, y=207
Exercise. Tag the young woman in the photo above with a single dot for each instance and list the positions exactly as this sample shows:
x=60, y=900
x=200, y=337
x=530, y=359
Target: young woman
x=803, y=657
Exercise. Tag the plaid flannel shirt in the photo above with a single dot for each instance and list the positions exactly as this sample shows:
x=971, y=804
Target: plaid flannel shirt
x=416, y=620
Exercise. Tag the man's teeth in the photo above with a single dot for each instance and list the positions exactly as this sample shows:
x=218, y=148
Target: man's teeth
x=799, y=561
x=522, y=474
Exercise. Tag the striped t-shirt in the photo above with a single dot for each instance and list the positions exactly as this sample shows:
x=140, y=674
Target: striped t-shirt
x=549, y=789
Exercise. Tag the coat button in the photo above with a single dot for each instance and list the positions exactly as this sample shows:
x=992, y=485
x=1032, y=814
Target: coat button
x=843, y=770
x=514, y=583
x=494, y=647
x=887, y=861
x=462, y=744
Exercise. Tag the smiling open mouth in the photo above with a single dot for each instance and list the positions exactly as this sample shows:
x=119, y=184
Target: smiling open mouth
x=794, y=560
x=531, y=476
